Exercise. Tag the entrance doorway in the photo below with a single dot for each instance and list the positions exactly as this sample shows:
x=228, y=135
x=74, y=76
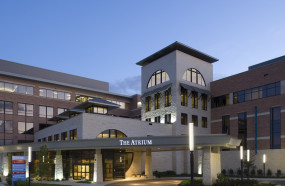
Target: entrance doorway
x=81, y=172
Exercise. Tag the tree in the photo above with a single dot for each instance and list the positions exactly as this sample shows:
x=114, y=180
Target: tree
x=249, y=164
x=43, y=167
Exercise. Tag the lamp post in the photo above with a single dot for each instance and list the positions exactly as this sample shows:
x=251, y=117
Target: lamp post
x=241, y=162
x=29, y=160
x=248, y=159
x=191, y=148
x=264, y=161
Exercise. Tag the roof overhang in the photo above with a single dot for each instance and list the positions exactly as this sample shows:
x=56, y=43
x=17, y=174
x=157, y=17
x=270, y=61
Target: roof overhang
x=181, y=47
x=156, y=143
x=196, y=89
x=158, y=89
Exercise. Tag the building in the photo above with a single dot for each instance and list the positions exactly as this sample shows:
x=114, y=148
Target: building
x=30, y=96
x=96, y=135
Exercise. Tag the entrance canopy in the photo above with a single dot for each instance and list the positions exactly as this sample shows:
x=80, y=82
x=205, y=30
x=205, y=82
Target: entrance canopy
x=156, y=143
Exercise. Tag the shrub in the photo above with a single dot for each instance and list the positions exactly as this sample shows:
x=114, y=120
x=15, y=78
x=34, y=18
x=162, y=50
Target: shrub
x=239, y=172
x=168, y=173
x=236, y=182
x=278, y=173
x=221, y=178
x=252, y=172
x=231, y=172
x=259, y=172
x=269, y=173
x=9, y=179
x=20, y=183
x=197, y=182
x=224, y=172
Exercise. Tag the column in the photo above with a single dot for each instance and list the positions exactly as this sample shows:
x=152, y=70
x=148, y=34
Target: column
x=27, y=164
x=148, y=163
x=58, y=171
x=5, y=164
x=98, y=167
x=211, y=165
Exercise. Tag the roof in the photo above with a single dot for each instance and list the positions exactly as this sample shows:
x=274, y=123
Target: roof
x=97, y=102
x=154, y=91
x=28, y=72
x=269, y=62
x=177, y=46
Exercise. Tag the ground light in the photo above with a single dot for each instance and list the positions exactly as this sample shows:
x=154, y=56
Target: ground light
x=191, y=148
x=248, y=159
x=29, y=160
x=264, y=161
x=241, y=162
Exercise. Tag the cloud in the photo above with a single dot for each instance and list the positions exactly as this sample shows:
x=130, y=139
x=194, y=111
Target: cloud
x=128, y=86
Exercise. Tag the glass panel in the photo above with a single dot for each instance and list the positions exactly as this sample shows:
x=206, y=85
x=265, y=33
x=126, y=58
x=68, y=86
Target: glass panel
x=184, y=75
x=8, y=107
x=112, y=133
x=43, y=111
x=100, y=110
x=153, y=80
x=10, y=87
x=2, y=88
x=188, y=75
x=1, y=126
x=194, y=76
x=43, y=92
x=60, y=95
x=158, y=78
x=21, y=109
x=29, y=110
x=21, y=89
x=67, y=96
x=30, y=128
x=49, y=112
x=163, y=76
x=49, y=93
x=30, y=90
x=8, y=127
x=55, y=94
x=199, y=79
x=106, y=134
x=1, y=107
x=21, y=127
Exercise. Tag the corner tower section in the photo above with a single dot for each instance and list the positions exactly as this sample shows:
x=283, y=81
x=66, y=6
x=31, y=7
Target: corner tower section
x=176, y=88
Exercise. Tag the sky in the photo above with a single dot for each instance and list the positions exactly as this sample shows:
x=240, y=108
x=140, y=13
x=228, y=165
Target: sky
x=105, y=39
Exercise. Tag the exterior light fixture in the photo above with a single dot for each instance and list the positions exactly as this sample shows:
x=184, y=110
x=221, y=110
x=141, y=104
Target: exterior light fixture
x=248, y=155
x=264, y=161
x=29, y=160
x=43, y=158
x=241, y=152
x=191, y=148
x=241, y=162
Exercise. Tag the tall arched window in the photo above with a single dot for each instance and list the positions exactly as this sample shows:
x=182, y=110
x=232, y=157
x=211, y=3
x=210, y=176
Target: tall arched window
x=157, y=78
x=111, y=133
x=194, y=76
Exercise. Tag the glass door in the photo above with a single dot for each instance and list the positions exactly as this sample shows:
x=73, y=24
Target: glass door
x=81, y=172
x=108, y=169
x=119, y=165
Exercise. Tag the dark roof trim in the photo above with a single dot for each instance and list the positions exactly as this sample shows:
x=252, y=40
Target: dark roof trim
x=159, y=89
x=177, y=46
x=188, y=87
x=269, y=62
x=97, y=102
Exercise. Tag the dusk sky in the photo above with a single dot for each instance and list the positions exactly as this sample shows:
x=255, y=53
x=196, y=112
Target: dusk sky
x=103, y=40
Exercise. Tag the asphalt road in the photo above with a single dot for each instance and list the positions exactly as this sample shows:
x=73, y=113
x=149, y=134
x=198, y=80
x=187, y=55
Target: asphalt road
x=158, y=182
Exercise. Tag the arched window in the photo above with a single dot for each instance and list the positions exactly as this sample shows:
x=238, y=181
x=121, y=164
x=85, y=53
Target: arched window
x=157, y=78
x=194, y=76
x=111, y=133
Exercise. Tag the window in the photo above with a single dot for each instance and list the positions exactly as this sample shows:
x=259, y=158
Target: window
x=63, y=136
x=167, y=95
x=96, y=109
x=226, y=124
x=123, y=105
x=242, y=128
x=55, y=94
x=157, y=101
x=157, y=78
x=220, y=101
x=195, y=120
x=61, y=110
x=204, y=122
x=275, y=128
x=265, y=91
x=168, y=119
x=50, y=138
x=147, y=103
x=16, y=88
x=194, y=76
x=39, y=140
x=25, y=128
x=6, y=127
x=46, y=112
x=6, y=107
x=56, y=137
x=44, y=139
x=184, y=119
x=111, y=133
x=148, y=119
x=204, y=101
x=25, y=109
x=157, y=119
x=184, y=97
x=82, y=98
x=194, y=99
x=73, y=134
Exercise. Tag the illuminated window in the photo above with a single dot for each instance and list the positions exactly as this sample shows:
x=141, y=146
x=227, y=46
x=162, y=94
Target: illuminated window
x=204, y=101
x=55, y=94
x=184, y=119
x=184, y=97
x=16, y=88
x=194, y=99
x=226, y=124
x=56, y=137
x=167, y=96
x=73, y=134
x=63, y=136
x=82, y=98
x=157, y=78
x=147, y=103
x=111, y=133
x=195, y=120
x=194, y=76
x=123, y=105
x=157, y=101
x=96, y=109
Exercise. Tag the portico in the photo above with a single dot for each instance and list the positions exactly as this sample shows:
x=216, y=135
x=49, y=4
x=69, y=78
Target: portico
x=209, y=144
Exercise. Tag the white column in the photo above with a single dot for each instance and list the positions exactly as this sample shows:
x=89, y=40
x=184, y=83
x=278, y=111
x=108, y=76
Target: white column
x=58, y=171
x=5, y=165
x=27, y=164
x=211, y=165
x=98, y=167
x=148, y=164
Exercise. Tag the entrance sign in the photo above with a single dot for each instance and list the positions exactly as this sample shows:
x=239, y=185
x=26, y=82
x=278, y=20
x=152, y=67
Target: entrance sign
x=135, y=142
x=18, y=168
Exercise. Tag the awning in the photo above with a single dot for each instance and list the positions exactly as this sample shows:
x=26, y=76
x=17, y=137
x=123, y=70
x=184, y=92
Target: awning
x=97, y=102
x=202, y=91
x=159, y=89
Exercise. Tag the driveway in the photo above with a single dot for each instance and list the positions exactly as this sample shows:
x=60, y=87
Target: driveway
x=156, y=182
